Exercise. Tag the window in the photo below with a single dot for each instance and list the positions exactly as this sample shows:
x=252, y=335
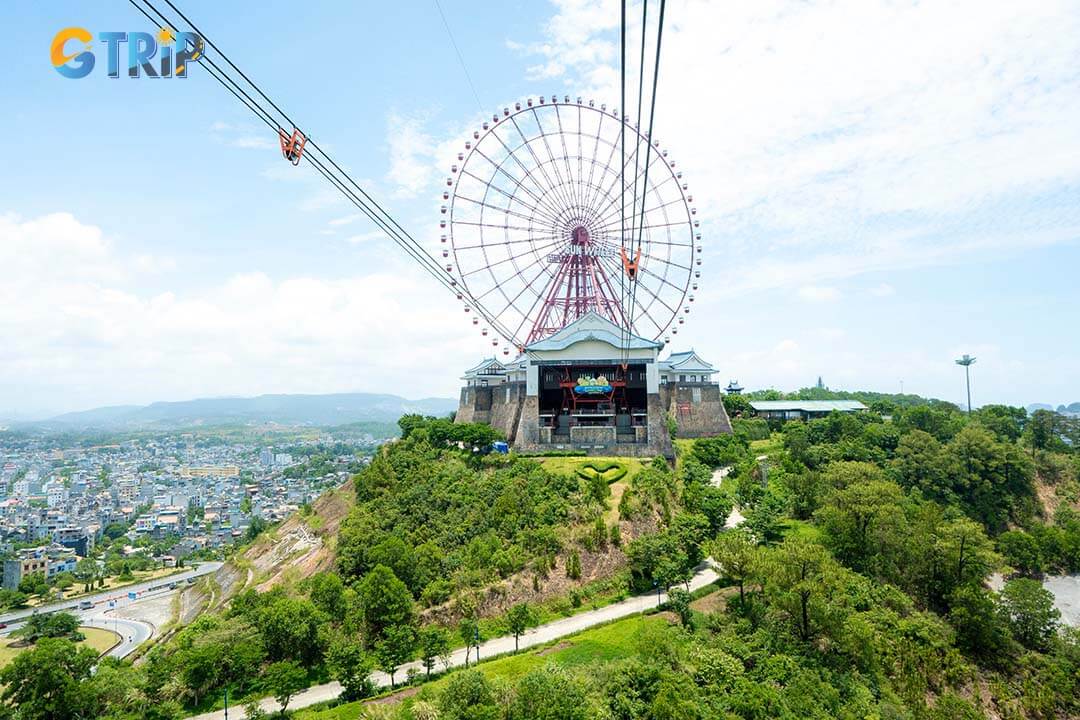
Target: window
x=682, y=378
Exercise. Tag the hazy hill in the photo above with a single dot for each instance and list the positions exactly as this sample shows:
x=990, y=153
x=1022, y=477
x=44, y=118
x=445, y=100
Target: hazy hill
x=1071, y=409
x=335, y=409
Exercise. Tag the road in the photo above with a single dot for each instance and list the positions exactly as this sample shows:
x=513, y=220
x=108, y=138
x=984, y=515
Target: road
x=497, y=646
x=120, y=596
x=101, y=614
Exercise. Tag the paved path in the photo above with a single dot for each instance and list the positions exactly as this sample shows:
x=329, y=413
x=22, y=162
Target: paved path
x=497, y=646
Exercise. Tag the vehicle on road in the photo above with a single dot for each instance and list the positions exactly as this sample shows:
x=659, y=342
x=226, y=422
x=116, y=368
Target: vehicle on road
x=172, y=586
x=86, y=604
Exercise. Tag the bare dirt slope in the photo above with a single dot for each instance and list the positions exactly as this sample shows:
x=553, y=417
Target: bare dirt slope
x=300, y=547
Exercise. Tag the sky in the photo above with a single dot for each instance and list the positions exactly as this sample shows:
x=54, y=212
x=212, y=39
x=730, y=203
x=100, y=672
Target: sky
x=883, y=187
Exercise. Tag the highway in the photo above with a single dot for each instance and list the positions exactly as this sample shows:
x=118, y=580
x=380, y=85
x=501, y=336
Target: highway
x=101, y=613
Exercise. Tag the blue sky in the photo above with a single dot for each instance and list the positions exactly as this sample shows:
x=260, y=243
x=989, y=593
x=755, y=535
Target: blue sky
x=882, y=188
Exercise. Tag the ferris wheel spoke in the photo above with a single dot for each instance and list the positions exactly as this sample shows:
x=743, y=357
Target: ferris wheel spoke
x=653, y=209
x=505, y=211
x=550, y=187
x=610, y=218
x=644, y=309
x=564, y=188
x=498, y=166
x=571, y=183
x=511, y=258
x=500, y=243
x=592, y=160
x=542, y=189
x=537, y=210
x=628, y=185
x=610, y=230
x=526, y=286
x=492, y=225
x=664, y=281
x=545, y=188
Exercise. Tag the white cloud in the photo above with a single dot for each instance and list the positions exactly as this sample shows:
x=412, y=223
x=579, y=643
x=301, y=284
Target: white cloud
x=256, y=142
x=247, y=136
x=883, y=290
x=814, y=293
x=366, y=237
x=347, y=220
x=855, y=134
x=97, y=340
x=411, y=156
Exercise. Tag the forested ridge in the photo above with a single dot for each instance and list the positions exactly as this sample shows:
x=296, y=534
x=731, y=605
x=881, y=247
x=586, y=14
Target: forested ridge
x=856, y=587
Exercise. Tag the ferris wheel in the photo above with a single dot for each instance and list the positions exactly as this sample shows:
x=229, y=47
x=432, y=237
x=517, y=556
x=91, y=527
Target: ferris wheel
x=537, y=231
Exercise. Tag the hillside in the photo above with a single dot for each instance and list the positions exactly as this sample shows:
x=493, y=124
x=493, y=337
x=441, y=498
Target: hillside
x=297, y=549
x=321, y=410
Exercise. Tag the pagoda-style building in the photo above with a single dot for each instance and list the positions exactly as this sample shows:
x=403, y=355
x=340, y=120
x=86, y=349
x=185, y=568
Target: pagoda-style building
x=590, y=387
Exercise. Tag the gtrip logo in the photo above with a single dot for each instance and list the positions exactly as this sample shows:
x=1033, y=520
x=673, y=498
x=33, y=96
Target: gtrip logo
x=174, y=52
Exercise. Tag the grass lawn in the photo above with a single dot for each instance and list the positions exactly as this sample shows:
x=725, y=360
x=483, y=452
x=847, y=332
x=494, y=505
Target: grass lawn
x=598, y=645
x=96, y=638
x=773, y=445
x=801, y=528
x=570, y=465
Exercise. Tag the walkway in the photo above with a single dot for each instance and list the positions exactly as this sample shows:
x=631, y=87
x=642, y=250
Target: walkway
x=497, y=646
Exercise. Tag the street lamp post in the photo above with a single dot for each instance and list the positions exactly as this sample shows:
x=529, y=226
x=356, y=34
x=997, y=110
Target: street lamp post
x=967, y=361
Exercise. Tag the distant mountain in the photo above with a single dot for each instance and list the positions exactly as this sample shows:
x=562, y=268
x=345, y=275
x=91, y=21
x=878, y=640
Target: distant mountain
x=335, y=409
x=1071, y=409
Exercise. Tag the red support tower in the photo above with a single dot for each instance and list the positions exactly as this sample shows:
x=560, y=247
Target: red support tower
x=579, y=286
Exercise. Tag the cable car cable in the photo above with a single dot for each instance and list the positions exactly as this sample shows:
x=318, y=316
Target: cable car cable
x=378, y=215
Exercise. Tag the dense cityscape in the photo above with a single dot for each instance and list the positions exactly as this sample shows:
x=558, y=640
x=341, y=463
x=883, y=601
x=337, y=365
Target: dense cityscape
x=149, y=502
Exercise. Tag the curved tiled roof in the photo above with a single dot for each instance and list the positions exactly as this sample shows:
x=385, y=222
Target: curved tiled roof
x=592, y=326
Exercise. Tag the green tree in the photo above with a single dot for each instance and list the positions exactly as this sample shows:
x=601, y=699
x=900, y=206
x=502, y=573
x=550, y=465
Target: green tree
x=520, y=618
x=50, y=625
x=467, y=696
x=679, y=601
x=328, y=594
x=799, y=572
x=980, y=629
x=765, y=519
x=46, y=681
x=34, y=584
x=385, y=599
x=350, y=666
x=434, y=643
x=396, y=647
x=963, y=554
x=290, y=628
x=573, y=566
x=1029, y=608
x=863, y=524
x=1022, y=551
x=284, y=679
x=469, y=632
x=735, y=556
x=921, y=462
x=549, y=693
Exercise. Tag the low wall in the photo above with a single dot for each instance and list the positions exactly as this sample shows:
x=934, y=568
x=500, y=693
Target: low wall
x=698, y=409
